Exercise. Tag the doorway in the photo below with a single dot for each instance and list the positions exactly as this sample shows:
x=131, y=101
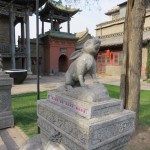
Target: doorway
x=63, y=63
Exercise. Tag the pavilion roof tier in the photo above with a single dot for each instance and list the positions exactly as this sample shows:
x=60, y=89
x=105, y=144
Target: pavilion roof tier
x=31, y=3
x=57, y=10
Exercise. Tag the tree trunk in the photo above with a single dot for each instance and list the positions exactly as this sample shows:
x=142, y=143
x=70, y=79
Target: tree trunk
x=132, y=47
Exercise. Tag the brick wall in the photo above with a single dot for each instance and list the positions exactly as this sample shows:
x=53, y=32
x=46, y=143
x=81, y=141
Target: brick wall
x=52, y=53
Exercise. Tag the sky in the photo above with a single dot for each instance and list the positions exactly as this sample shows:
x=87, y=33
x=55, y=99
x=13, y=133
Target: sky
x=89, y=17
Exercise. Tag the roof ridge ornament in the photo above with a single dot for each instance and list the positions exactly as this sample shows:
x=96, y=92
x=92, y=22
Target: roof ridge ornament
x=56, y=2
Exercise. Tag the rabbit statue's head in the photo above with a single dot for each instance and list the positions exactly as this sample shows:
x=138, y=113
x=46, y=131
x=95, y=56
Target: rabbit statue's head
x=92, y=46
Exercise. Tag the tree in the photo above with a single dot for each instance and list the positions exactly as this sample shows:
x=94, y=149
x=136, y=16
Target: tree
x=148, y=62
x=132, y=47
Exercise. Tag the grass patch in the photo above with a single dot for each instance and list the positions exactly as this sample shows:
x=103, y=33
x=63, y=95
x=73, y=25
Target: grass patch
x=24, y=108
x=148, y=80
x=145, y=108
x=144, y=117
x=113, y=90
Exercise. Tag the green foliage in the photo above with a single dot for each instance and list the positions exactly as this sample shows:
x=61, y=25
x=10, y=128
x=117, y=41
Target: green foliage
x=148, y=63
x=24, y=109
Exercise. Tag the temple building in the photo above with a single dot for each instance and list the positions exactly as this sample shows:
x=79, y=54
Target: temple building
x=110, y=57
x=12, y=13
x=55, y=46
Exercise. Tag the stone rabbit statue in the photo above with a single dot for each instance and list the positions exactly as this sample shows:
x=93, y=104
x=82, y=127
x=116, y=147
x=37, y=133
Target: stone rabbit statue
x=84, y=63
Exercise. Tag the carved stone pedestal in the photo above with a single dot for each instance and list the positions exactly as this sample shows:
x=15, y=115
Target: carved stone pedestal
x=87, y=120
x=6, y=117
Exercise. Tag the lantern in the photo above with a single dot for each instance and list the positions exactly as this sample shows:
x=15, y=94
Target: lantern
x=108, y=53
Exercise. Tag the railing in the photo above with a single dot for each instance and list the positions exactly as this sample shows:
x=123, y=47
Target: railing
x=5, y=49
x=20, y=49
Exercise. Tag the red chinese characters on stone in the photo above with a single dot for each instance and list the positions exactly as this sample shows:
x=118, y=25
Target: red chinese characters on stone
x=71, y=106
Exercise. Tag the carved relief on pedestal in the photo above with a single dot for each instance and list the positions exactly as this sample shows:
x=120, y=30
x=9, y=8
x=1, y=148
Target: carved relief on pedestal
x=103, y=133
x=114, y=144
x=63, y=124
x=4, y=101
x=56, y=136
x=8, y=121
x=70, y=144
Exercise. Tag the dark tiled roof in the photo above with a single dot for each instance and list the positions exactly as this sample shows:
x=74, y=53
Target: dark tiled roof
x=122, y=4
x=58, y=7
x=26, y=2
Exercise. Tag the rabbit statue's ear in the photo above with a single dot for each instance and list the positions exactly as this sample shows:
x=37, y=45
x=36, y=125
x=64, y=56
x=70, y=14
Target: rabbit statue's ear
x=75, y=54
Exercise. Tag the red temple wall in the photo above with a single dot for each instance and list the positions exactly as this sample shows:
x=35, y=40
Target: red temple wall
x=54, y=49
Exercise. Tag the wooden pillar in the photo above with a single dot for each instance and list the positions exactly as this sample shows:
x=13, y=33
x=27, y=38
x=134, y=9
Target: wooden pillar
x=12, y=38
x=68, y=22
x=22, y=33
x=28, y=51
x=24, y=66
x=42, y=27
x=51, y=22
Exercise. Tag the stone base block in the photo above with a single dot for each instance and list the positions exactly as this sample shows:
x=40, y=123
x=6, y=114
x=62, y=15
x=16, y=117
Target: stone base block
x=117, y=144
x=5, y=79
x=6, y=120
x=83, y=108
x=79, y=133
x=90, y=93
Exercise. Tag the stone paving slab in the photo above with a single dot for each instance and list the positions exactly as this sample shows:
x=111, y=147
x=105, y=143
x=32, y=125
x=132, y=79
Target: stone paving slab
x=2, y=145
x=12, y=138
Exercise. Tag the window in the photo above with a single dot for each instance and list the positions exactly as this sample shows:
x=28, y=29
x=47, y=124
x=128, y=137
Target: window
x=107, y=60
x=116, y=58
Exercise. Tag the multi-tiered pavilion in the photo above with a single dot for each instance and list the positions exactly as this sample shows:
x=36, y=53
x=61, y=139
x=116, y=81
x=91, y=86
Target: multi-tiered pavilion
x=58, y=45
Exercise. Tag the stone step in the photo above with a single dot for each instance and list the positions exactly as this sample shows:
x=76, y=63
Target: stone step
x=2, y=145
x=8, y=140
x=77, y=132
x=83, y=108
x=12, y=138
